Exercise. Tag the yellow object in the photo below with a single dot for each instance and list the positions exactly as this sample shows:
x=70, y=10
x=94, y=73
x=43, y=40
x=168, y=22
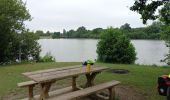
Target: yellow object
x=88, y=67
x=169, y=76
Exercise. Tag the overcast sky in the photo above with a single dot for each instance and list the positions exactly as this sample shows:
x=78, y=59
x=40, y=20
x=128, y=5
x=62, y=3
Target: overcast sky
x=56, y=15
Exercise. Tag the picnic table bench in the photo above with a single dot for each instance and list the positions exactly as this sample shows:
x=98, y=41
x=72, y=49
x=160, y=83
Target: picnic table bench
x=45, y=78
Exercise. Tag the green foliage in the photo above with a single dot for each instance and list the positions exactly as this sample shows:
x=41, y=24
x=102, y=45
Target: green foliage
x=29, y=46
x=56, y=35
x=95, y=33
x=147, y=10
x=165, y=14
x=166, y=36
x=15, y=42
x=150, y=32
x=115, y=47
x=47, y=58
x=82, y=32
x=126, y=27
x=40, y=33
x=24, y=47
x=13, y=13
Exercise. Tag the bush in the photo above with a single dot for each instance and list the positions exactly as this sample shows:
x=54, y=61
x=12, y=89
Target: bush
x=115, y=47
x=47, y=58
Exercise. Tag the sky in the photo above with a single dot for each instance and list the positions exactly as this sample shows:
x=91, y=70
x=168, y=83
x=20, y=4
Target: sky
x=56, y=15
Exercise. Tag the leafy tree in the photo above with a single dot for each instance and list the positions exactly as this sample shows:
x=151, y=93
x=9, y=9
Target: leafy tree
x=39, y=32
x=29, y=46
x=155, y=27
x=126, y=26
x=81, y=32
x=147, y=10
x=153, y=31
x=115, y=47
x=165, y=13
x=96, y=32
x=48, y=33
x=56, y=35
x=65, y=33
x=137, y=34
x=71, y=33
x=15, y=42
x=13, y=13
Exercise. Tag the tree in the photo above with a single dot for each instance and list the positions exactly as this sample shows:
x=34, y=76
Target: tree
x=13, y=13
x=82, y=32
x=153, y=31
x=96, y=32
x=64, y=33
x=39, y=32
x=115, y=47
x=15, y=41
x=155, y=27
x=29, y=46
x=126, y=26
x=71, y=33
x=48, y=33
x=147, y=9
x=24, y=46
x=56, y=35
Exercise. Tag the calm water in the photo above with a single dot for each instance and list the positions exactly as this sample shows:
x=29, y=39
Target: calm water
x=73, y=50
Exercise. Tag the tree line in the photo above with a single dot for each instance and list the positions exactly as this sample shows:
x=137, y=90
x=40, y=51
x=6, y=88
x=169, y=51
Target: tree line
x=150, y=32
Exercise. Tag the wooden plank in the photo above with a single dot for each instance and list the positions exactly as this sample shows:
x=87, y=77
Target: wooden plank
x=49, y=70
x=58, y=74
x=27, y=83
x=53, y=72
x=54, y=93
x=85, y=92
x=65, y=74
x=65, y=70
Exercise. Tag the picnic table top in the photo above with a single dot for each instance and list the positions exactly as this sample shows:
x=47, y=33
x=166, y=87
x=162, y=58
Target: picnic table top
x=61, y=73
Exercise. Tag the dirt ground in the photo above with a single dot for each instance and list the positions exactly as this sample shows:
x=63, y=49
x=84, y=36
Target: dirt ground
x=122, y=93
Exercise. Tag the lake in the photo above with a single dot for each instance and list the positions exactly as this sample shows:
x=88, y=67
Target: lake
x=77, y=50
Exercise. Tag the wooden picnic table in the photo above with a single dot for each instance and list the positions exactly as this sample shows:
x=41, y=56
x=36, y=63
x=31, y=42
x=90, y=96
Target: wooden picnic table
x=46, y=77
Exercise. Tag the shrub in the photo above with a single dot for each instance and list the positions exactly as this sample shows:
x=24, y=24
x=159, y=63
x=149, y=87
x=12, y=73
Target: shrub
x=115, y=47
x=47, y=58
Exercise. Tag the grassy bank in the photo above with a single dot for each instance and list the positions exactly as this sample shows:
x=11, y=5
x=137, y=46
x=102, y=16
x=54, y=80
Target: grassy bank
x=142, y=78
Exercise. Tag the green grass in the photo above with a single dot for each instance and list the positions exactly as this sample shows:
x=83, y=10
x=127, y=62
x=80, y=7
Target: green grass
x=142, y=78
x=11, y=75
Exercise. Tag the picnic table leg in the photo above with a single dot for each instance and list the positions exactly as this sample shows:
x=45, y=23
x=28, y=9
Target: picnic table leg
x=74, y=86
x=30, y=89
x=111, y=93
x=90, y=79
x=45, y=87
